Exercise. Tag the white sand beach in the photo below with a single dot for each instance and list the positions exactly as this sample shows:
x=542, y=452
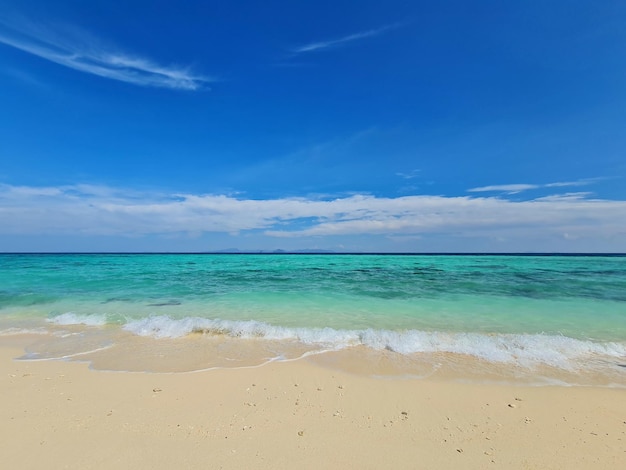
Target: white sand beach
x=298, y=414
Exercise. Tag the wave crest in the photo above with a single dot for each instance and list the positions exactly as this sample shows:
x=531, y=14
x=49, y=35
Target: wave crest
x=522, y=349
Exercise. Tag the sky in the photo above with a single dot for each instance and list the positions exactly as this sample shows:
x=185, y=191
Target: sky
x=369, y=126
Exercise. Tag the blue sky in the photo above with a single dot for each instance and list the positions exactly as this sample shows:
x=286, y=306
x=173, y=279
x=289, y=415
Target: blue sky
x=348, y=126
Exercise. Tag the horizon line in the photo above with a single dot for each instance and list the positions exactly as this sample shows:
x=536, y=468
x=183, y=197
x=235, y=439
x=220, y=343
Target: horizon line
x=321, y=252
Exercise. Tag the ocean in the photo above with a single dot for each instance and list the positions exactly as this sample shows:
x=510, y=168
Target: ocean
x=554, y=319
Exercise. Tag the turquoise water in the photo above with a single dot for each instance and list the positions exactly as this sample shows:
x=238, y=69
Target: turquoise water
x=560, y=311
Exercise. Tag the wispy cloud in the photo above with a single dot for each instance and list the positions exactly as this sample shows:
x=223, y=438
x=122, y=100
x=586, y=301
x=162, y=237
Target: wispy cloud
x=518, y=188
x=319, y=45
x=509, y=188
x=100, y=210
x=79, y=51
x=408, y=176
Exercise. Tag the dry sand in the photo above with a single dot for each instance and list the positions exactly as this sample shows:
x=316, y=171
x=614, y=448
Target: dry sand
x=297, y=414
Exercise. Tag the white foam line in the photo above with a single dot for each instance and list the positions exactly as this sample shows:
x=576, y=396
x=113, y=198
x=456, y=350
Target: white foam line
x=62, y=358
x=526, y=351
x=23, y=331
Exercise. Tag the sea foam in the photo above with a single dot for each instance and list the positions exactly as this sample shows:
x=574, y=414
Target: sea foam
x=71, y=318
x=523, y=349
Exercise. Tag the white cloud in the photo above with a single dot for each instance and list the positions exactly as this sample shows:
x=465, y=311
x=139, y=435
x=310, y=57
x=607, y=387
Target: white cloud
x=410, y=175
x=316, y=46
x=79, y=51
x=97, y=210
x=517, y=188
x=511, y=188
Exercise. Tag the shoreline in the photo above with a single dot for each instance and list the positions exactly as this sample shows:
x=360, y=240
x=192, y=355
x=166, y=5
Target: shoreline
x=111, y=348
x=62, y=414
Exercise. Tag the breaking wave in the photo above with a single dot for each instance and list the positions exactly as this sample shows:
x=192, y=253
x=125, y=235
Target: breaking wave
x=527, y=350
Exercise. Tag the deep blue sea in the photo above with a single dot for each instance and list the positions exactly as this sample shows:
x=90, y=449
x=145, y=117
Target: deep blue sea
x=550, y=316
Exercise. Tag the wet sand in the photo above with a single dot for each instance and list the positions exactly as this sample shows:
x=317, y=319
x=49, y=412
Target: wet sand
x=299, y=414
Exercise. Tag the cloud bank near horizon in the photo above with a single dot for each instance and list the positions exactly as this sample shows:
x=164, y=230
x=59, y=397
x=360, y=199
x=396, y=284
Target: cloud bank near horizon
x=79, y=51
x=104, y=211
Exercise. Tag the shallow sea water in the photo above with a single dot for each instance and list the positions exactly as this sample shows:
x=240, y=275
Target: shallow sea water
x=548, y=319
